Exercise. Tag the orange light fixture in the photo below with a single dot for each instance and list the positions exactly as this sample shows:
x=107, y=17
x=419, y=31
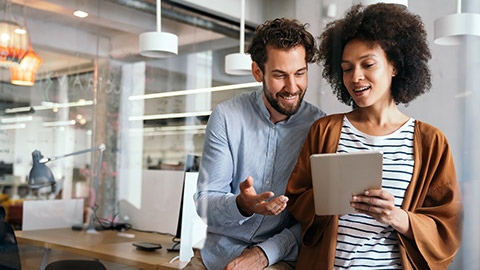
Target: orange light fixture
x=13, y=43
x=24, y=74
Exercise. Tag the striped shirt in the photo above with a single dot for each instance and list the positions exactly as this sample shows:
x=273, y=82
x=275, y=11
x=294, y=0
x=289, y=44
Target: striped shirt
x=362, y=242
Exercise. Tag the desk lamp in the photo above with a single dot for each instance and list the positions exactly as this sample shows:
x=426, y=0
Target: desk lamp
x=41, y=176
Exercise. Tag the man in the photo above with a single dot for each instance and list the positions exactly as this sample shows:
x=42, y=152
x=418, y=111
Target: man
x=257, y=136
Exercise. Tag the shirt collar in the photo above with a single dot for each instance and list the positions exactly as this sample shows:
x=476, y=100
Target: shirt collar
x=263, y=108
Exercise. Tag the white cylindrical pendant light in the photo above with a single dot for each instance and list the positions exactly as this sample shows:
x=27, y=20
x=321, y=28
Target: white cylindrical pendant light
x=403, y=3
x=158, y=44
x=239, y=63
x=452, y=29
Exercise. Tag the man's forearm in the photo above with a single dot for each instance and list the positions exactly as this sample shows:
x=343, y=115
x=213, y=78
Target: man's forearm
x=251, y=259
x=219, y=209
x=283, y=246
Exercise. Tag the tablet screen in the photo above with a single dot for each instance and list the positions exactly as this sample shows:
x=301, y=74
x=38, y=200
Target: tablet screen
x=338, y=176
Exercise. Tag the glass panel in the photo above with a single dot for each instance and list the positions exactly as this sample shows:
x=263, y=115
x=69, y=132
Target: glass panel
x=93, y=87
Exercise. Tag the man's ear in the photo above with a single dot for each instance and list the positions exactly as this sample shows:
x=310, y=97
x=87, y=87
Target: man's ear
x=257, y=72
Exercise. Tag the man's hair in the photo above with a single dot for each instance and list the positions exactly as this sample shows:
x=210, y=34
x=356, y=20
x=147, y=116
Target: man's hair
x=284, y=34
x=399, y=33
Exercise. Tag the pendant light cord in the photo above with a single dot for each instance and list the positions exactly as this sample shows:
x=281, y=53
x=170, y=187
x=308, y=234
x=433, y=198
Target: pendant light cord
x=159, y=16
x=242, y=29
x=30, y=48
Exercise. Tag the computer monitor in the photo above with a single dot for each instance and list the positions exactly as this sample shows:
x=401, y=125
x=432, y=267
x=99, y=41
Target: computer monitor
x=192, y=164
x=5, y=169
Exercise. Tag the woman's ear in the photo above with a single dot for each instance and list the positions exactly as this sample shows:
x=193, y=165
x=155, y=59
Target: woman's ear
x=257, y=72
x=394, y=71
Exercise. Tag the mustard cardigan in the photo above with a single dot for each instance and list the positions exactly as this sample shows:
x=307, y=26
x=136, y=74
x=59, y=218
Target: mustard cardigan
x=432, y=200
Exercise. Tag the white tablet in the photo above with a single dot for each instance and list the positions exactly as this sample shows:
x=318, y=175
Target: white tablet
x=338, y=176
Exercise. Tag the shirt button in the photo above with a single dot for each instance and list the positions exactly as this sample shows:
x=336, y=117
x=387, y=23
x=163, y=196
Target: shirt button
x=267, y=182
x=271, y=154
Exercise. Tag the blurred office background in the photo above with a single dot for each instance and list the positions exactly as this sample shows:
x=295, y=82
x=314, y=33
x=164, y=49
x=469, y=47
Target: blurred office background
x=92, y=86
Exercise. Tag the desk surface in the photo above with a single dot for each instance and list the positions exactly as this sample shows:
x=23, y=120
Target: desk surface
x=105, y=245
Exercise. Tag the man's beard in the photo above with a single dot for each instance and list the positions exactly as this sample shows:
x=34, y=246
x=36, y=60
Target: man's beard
x=273, y=100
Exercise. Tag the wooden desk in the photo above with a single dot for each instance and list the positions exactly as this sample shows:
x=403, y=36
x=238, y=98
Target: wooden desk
x=105, y=245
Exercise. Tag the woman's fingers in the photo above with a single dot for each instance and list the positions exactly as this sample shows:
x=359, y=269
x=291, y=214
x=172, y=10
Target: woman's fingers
x=377, y=203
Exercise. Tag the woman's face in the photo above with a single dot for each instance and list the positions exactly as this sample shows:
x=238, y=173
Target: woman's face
x=367, y=74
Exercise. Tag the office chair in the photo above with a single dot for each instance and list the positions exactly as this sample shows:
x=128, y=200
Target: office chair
x=75, y=265
x=10, y=257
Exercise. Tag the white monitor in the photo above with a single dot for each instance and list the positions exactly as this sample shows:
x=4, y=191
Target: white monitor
x=194, y=229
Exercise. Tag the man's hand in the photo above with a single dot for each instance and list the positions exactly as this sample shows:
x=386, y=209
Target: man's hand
x=251, y=259
x=249, y=202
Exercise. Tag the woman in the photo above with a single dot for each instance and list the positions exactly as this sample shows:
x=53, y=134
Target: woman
x=375, y=58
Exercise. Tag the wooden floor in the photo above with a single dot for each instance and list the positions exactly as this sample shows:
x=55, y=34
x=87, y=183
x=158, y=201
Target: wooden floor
x=31, y=257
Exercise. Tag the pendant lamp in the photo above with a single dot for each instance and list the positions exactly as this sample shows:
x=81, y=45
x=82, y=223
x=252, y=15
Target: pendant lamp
x=13, y=39
x=454, y=28
x=158, y=44
x=24, y=74
x=239, y=63
x=402, y=3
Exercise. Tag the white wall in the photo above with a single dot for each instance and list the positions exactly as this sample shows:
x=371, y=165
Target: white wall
x=442, y=106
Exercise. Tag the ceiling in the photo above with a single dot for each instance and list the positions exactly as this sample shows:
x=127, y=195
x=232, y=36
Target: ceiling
x=112, y=28
x=67, y=44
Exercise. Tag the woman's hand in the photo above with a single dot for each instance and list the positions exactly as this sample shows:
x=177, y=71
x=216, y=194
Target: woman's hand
x=380, y=205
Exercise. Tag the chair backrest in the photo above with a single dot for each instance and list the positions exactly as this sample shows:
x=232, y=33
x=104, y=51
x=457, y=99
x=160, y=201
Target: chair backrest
x=75, y=265
x=9, y=255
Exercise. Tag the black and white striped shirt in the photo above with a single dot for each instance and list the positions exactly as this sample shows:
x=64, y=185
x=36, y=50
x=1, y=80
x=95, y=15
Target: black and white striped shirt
x=362, y=242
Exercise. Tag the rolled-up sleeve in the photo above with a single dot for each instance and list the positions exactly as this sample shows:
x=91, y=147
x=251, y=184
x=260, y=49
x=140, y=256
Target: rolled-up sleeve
x=283, y=246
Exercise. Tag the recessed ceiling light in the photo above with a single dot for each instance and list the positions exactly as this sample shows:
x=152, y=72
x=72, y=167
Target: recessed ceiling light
x=80, y=13
x=50, y=106
x=14, y=126
x=16, y=119
x=20, y=31
x=59, y=123
x=169, y=115
x=195, y=91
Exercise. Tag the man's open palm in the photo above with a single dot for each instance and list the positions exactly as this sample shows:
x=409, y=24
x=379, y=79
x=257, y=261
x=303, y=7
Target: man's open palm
x=249, y=202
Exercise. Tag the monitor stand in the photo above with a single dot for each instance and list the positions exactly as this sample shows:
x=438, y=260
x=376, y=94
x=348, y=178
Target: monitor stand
x=175, y=246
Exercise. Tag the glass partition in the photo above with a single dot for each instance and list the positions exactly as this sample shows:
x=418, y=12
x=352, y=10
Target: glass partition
x=93, y=87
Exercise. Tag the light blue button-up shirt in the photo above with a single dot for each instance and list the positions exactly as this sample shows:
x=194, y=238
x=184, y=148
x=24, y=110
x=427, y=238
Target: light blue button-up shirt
x=241, y=141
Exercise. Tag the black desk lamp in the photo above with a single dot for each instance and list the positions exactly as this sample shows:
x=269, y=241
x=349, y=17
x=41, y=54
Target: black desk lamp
x=41, y=176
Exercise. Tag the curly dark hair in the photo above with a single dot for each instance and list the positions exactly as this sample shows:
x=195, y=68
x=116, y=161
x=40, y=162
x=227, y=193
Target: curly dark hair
x=281, y=33
x=398, y=32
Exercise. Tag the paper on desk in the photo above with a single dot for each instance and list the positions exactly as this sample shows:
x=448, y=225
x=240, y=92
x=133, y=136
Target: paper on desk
x=52, y=214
